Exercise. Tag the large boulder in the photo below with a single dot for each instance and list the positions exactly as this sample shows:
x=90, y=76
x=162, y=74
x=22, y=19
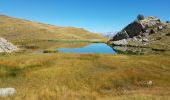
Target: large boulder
x=133, y=29
x=120, y=35
x=137, y=33
x=6, y=47
x=149, y=25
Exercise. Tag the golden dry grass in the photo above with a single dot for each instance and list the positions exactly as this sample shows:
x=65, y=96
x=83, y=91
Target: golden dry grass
x=85, y=76
x=19, y=29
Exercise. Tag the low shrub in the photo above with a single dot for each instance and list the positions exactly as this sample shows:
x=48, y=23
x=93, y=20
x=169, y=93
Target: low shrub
x=140, y=17
x=50, y=51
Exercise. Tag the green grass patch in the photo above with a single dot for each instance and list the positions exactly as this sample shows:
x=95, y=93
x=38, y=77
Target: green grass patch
x=69, y=40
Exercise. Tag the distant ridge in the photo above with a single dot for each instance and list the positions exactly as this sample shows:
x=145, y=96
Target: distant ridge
x=108, y=34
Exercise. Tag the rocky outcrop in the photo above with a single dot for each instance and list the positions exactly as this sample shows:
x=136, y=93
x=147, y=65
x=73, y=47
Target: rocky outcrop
x=133, y=29
x=6, y=47
x=136, y=41
x=137, y=32
x=119, y=42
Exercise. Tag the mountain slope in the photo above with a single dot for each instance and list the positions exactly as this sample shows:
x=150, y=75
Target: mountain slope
x=17, y=29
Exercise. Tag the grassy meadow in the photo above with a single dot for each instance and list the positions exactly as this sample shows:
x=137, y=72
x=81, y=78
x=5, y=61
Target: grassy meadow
x=59, y=76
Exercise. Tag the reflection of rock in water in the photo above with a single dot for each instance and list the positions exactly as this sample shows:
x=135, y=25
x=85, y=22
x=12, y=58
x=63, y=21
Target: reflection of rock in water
x=134, y=50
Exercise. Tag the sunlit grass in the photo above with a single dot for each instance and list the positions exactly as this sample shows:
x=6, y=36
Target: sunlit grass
x=85, y=76
x=79, y=41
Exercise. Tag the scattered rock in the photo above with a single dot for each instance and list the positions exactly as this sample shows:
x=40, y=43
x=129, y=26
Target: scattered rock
x=160, y=28
x=140, y=40
x=120, y=42
x=147, y=83
x=135, y=39
x=7, y=92
x=168, y=34
x=145, y=40
x=6, y=46
x=152, y=31
x=139, y=37
x=158, y=38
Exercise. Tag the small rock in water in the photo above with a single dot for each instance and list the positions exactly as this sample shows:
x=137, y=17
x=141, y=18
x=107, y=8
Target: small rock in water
x=7, y=92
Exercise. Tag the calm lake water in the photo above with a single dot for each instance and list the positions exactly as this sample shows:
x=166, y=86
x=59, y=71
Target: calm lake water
x=99, y=48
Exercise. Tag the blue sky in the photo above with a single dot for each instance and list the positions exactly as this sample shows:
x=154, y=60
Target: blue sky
x=93, y=15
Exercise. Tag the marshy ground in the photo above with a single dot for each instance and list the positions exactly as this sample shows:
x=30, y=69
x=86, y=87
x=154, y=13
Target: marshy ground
x=60, y=76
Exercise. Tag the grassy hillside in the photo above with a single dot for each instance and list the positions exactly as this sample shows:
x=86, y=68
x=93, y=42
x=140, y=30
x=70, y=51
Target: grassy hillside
x=161, y=39
x=19, y=29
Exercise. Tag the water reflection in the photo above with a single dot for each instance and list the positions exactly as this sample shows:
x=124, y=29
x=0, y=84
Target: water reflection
x=135, y=50
x=99, y=48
